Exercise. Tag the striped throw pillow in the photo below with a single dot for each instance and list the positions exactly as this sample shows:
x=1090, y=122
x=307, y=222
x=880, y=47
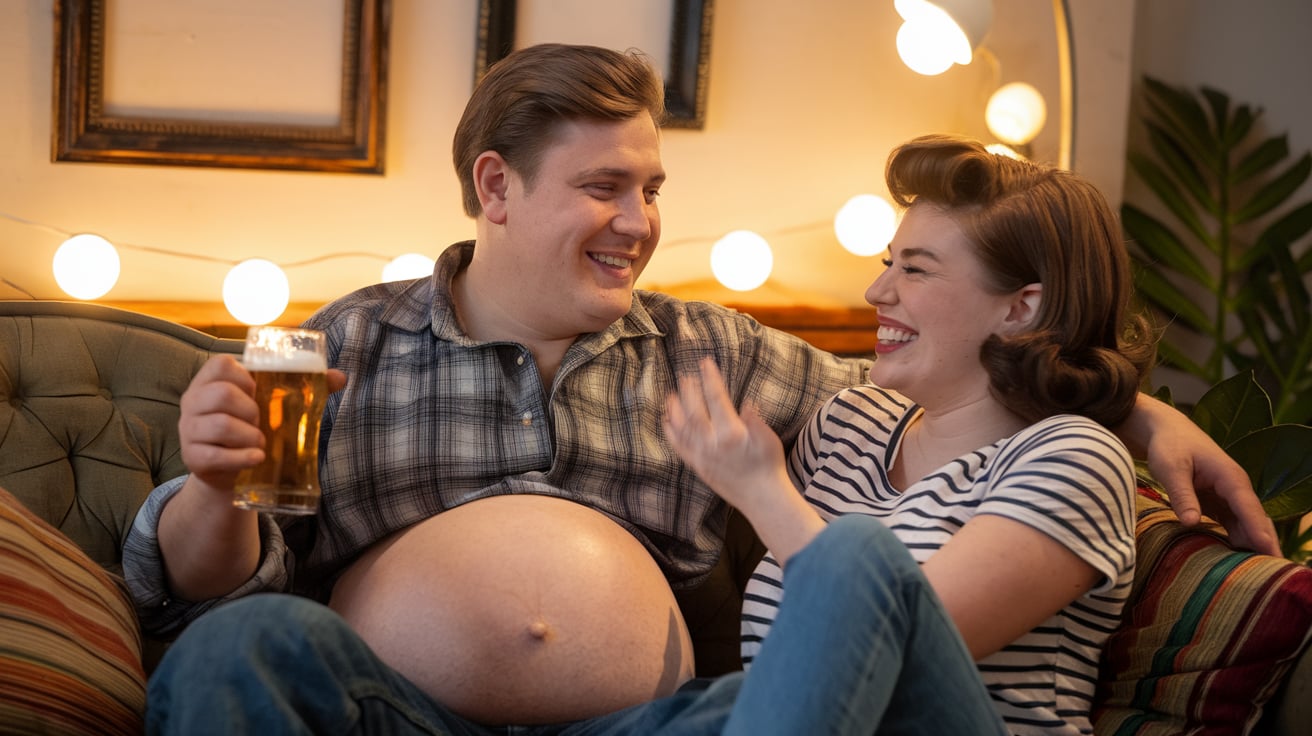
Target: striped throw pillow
x=1208, y=633
x=70, y=646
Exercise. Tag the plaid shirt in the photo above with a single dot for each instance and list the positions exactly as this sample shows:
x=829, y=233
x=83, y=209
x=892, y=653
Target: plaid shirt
x=432, y=419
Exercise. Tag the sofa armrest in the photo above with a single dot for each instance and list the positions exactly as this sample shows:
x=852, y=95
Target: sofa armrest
x=89, y=410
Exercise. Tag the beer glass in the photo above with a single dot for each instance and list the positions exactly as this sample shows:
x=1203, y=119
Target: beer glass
x=290, y=368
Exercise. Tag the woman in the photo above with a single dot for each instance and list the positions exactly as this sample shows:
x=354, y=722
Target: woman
x=1006, y=347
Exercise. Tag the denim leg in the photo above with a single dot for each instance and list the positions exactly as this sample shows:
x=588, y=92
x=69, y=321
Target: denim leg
x=861, y=645
x=280, y=664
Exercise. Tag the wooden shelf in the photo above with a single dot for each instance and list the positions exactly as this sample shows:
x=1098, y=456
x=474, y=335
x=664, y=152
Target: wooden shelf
x=841, y=330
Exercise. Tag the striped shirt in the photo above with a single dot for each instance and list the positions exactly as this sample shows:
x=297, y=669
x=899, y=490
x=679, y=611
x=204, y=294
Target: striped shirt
x=1065, y=476
x=432, y=419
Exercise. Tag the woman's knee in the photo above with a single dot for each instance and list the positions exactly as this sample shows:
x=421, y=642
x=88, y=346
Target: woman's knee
x=854, y=545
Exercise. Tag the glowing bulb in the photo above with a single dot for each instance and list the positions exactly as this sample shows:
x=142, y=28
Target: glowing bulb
x=865, y=224
x=408, y=266
x=1002, y=149
x=86, y=266
x=930, y=41
x=1016, y=113
x=741, y=260
x=256, y=291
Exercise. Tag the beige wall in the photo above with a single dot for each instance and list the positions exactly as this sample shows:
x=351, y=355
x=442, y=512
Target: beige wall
x=805, y=101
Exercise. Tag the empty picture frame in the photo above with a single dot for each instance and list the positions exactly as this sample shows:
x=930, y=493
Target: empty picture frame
x=689, y=61
x=85, y=131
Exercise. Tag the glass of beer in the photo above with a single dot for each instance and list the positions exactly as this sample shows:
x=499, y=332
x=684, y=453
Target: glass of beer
x=290, y=368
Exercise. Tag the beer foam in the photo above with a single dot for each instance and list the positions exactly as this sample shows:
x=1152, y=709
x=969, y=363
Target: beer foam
x=296, y=361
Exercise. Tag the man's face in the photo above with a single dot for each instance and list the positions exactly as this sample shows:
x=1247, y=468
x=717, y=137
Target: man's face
x=583, y=230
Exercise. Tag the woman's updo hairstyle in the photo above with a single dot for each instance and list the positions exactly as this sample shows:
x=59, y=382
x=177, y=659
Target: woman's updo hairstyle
x=1086, y=352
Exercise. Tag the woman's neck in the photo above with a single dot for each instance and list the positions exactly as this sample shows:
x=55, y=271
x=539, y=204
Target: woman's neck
x=936, y=436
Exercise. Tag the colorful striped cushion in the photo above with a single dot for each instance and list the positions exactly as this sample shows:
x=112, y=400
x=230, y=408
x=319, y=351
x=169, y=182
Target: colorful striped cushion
x=70, y=646
x=1208, y=634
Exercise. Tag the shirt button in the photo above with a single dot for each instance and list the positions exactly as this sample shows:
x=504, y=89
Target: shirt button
x=527, y=418
x=519, y=360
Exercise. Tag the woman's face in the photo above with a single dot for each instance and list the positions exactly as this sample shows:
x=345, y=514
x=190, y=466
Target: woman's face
x=935, y=311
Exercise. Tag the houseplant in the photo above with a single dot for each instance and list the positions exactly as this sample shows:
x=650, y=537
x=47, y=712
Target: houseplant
x=1236, y=413
x=1228, y=263
x=1227, y=266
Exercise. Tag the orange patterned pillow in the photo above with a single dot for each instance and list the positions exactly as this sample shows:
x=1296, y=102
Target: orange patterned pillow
x=1207, y=636
x=70, y=645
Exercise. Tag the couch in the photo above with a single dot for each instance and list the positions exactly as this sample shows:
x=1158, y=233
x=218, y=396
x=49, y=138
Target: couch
x=1214, y=640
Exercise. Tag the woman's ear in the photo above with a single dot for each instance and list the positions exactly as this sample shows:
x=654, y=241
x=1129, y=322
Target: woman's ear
x=1024, y=310
x=491, y=181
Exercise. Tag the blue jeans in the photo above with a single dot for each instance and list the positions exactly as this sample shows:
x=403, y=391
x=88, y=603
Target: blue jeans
x=860, y=646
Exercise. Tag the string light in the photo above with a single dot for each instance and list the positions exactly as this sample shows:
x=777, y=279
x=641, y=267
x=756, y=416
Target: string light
x=257, y=291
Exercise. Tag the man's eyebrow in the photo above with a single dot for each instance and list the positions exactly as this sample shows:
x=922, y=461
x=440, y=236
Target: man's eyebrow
x=614, y=173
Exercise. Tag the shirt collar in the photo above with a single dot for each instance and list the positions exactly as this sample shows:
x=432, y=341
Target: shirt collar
x=429, y=302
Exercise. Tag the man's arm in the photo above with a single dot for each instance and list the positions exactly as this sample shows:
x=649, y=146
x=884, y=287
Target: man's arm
x=210, y=547
x=1199, y=477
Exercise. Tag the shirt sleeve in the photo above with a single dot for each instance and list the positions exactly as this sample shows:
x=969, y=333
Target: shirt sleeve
x=143, y=568
x=1074, y=481
x=761, y=599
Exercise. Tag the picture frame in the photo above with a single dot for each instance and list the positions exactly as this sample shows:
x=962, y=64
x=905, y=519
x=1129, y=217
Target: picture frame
x=82, y=130
x=689, y=61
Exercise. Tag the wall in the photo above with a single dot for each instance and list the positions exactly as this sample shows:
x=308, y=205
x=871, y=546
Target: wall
x=805, y=100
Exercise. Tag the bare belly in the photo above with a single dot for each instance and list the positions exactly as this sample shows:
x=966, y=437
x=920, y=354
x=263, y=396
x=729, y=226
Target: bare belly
x=520, y=610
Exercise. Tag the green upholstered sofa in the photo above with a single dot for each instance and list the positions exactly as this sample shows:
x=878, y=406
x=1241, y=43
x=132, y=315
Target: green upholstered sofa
x=88, y=412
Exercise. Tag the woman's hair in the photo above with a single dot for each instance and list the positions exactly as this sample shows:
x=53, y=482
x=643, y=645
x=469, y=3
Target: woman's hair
x=1085, y=352
x=519, y=104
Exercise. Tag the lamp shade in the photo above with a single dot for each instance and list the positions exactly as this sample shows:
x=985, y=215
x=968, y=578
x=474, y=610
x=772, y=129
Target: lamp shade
x=935, y=35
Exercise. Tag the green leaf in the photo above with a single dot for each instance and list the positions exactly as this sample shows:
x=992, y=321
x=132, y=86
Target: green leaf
x=1167, y=297
x=1240, y=124
x=1173, y=357
x=1282, y=233
x=1184, y=169
x=1219, y=103
x=1180, y=112
x=1261, y=159
x=1233, y=409
x=1162, y=245
x=1279, y=466
x=1275, y=192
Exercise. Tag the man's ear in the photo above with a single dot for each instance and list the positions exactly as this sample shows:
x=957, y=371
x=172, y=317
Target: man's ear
x=491, y=181
x=1024, y=308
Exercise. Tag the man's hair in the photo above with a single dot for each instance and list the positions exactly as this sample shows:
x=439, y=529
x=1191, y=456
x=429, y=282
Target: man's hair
x=518, y=106
x=1086, y=352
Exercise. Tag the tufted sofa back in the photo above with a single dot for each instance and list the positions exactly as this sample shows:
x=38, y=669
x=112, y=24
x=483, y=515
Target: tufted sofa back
x=89, y=411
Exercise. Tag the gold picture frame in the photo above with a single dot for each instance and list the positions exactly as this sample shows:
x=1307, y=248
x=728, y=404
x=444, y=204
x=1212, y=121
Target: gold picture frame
x=83, y=131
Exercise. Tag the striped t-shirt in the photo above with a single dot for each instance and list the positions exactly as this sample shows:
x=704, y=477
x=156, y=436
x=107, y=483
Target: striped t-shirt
x=1066, y=476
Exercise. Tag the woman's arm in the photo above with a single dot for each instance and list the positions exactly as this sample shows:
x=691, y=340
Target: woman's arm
x=999, y=579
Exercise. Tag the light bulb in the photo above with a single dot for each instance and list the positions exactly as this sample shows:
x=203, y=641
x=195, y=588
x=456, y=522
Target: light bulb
x=1016, y=113
x=930, y=41
x=865, y=224
x=741, y=260
x=86, y=266
x=256, y=291
x=408, y=266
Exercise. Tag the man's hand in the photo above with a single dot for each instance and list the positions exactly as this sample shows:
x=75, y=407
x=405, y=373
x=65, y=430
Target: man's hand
x=1198, y=476
x=219, y=422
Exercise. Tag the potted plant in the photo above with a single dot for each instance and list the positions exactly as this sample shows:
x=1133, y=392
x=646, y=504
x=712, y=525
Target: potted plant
x=1236, y=413
x=1222, y=265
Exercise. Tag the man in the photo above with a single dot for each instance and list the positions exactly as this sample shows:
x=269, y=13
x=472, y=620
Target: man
x=496, y=482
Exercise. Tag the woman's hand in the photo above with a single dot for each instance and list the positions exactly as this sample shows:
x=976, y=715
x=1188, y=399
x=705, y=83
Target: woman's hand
x=740, y=458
